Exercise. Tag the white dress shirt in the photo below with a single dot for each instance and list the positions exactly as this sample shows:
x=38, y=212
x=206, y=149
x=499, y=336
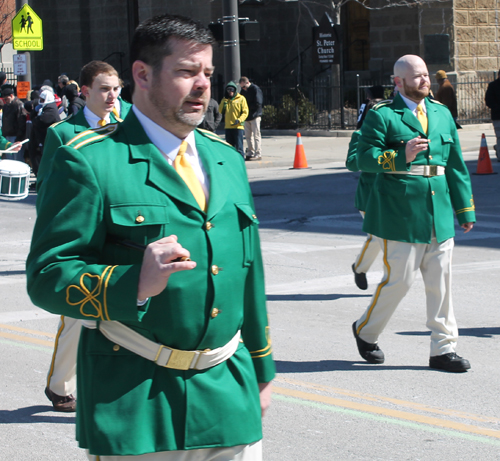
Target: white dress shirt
x=169, y=145
x=93, y=119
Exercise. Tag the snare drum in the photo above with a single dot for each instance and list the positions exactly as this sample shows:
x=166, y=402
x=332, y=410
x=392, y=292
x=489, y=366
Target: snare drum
x=14, y=180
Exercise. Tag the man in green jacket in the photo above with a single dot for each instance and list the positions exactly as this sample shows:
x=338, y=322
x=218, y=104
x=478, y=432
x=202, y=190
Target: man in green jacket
x=147, y=231
x=234, y=107
x=101, y=87
x=413, y=143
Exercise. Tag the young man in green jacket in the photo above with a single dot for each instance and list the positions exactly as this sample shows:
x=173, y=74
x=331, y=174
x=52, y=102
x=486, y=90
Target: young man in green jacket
x=412, y=142
x=147, y=231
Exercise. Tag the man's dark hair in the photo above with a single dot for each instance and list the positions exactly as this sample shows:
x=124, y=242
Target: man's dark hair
x=150, y=43
x=91, y=70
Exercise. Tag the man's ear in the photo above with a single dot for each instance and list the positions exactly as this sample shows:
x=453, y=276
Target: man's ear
x=142, y=74
x=398, y=81
x=85, y=91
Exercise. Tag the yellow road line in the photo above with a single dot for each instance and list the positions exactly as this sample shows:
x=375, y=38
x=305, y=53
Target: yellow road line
x=400, y=403
x=25, y=330
x=363, y=407
x=27, y=339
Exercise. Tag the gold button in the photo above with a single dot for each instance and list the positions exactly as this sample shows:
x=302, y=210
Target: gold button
x=215, y=312
x=432, y=192
x=215, y=269
x=207, y=350
x=139, y=219
x=208, y=225
x=402, y=142
x=116, y=347
x=430, y=157
x=254, y=216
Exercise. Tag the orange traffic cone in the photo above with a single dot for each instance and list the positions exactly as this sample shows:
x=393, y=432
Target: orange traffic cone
x=484, y=162
x=300, y=156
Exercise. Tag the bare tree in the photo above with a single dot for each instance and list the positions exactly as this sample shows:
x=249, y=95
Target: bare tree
x=7, y=12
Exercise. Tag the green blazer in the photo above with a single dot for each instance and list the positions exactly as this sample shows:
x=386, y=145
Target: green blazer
x=366, y=180
x=407, y=207
x=92, y=195
x=61, y=133
x=4, y=144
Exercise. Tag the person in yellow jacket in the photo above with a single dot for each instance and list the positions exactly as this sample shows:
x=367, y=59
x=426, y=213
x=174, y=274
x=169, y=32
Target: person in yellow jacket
x=234, y=107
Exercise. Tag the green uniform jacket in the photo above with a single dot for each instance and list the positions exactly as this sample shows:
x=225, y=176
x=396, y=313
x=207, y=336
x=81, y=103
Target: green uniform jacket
x=121, y=187
x=4, y=144
x=63, y=132
x=234, y=109
x=405, y=208
x=366, y=180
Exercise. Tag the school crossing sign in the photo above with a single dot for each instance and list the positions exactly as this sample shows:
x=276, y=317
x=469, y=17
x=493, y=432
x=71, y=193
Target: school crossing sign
x=27, y=32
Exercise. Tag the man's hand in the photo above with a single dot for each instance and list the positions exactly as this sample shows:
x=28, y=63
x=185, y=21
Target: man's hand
x=236, y=122
x=414, y=146
x=16, y=147
x=467, y=226
x=158, y=265
x=265, y=396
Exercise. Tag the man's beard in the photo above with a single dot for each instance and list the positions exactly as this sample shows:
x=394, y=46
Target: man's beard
x=192, y=119
x=415, y=93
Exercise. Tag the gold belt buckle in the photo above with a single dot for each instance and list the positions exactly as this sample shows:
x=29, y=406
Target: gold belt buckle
x=178, y=360
x=430, y=170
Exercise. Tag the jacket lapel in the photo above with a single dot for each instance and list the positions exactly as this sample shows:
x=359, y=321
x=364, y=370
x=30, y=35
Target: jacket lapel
x=162, y=175
x=214, y=165
x=407, y=116
x=80, y=122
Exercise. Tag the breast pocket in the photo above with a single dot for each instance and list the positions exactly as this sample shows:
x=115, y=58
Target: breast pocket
x=446, y=144
x=138, y=222
x=248, y=226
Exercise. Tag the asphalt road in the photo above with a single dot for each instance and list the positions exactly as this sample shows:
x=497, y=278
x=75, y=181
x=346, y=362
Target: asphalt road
x=328, y=403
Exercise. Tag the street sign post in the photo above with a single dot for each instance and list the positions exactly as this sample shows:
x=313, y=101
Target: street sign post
x=20, y=67
x=27, y=31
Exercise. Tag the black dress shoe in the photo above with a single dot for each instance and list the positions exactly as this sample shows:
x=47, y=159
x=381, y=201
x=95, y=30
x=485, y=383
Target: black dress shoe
x=66, y=403
x=370, y=352
x=449, y=362
x=360, y=279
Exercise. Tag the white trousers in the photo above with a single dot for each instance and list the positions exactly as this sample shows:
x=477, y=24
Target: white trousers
x=252, y=452
x=368, y=254
x=402, y=261
x=61, y=378
x=253, y=136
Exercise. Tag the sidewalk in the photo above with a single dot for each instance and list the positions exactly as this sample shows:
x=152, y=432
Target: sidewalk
x=278, y=150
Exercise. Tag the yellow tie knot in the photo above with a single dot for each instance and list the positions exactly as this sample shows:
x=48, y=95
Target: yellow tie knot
x=102, y=122
x=422, y=118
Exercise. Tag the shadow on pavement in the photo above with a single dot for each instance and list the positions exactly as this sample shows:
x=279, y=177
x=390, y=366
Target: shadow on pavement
x=481, y=332
x=311, y=297
x=335, y=365
x=29, y=415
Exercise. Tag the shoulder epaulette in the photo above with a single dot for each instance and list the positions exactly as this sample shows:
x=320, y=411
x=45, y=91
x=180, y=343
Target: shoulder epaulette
x=213, y=136
x=61, y=121
x=92, y=135
x=385, y=102
x=435, y=101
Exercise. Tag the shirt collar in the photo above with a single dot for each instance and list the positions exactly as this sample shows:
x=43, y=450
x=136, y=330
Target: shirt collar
x=93, y=119
x=412, y=105
x=165, y=141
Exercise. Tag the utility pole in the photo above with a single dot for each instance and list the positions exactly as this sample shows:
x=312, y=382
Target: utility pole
x=230, y=23
x=27, y=77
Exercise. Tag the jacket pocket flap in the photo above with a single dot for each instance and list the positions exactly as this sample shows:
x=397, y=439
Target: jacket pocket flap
x=138, y=214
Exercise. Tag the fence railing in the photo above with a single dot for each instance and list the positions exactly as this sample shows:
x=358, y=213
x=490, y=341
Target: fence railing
x=320, y=105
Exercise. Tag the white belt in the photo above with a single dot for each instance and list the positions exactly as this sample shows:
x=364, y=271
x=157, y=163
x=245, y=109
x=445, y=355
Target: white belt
x=165, y=356
x=422, y=170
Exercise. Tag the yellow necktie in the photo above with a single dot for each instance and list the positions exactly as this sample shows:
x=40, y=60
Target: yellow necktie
x=102, y=122
x=186, y=172
x=115, y=113
x=422, y=118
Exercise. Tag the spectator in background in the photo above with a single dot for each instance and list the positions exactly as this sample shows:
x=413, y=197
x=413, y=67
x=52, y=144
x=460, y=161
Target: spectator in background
x=255, y=101
x=62, y=81
x=13, y=120
x=75, y=103
x=234, y=107
x=492, y=99
x=212, y=117
x=47, y=114
x=446, y=93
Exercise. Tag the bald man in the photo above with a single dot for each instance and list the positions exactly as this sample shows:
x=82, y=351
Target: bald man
x=413, y=143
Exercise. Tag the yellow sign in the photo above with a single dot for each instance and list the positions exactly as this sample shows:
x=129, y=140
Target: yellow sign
x=27, y=30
